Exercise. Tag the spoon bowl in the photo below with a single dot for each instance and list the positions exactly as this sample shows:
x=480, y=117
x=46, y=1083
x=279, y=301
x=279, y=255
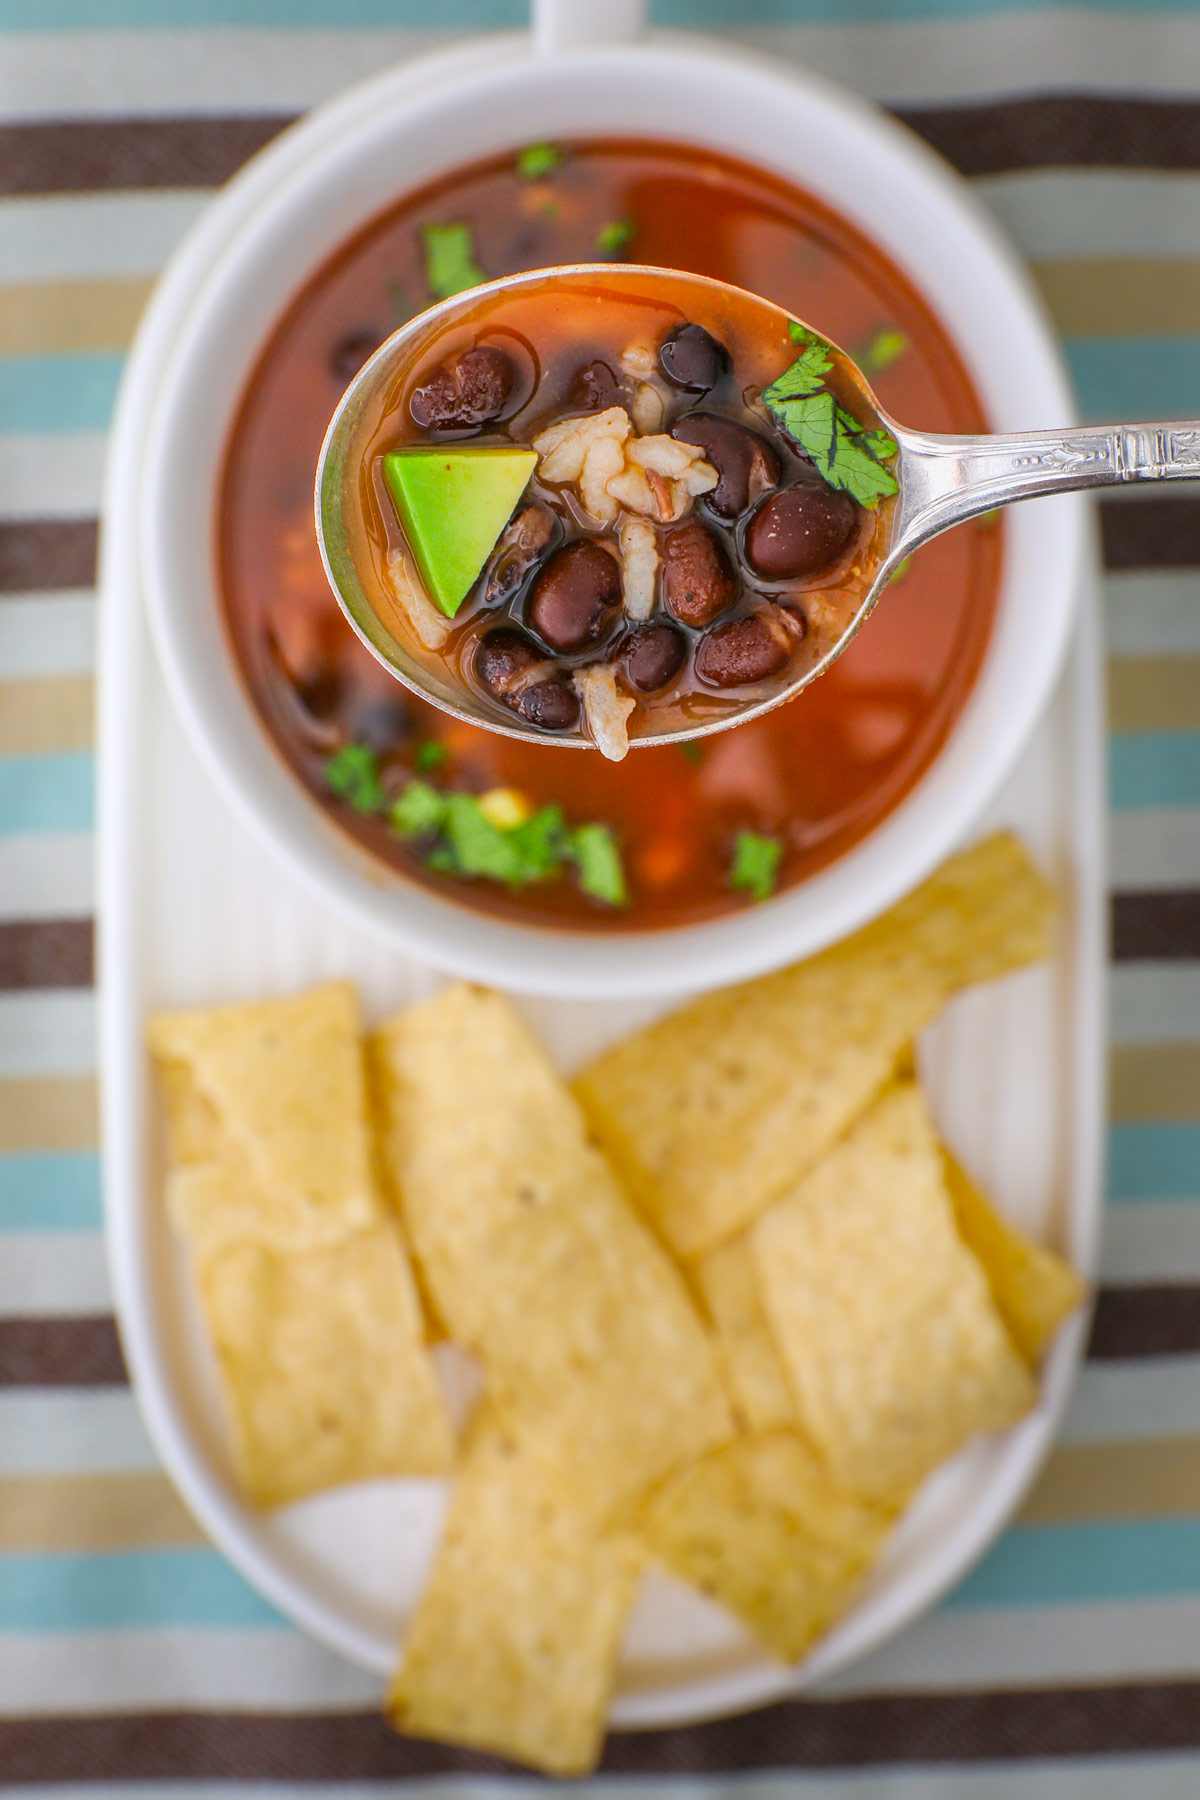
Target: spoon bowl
x=941, y=482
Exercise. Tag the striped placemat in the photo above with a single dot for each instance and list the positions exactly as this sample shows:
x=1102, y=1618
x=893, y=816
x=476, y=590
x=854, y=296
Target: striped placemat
x=1068, y=1664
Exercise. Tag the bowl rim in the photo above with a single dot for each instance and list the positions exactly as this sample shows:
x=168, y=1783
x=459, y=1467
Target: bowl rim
x=248, y=768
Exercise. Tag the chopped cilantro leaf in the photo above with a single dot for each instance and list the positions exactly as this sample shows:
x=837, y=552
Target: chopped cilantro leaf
x=450, y=266
x=430, y=755
x=418, y=812
x=886, y=347
x=612, y=238
x=755, y=866
x=536, y=160
x=601, y=872
x=478, y=846
x=692, y=752
x=541, y=842
x=845, y=455
x=353, y=775
x=900, y=571
x=807, y=374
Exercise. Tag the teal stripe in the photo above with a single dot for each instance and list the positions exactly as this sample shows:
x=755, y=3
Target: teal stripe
x=1136, y=378
x=1054, y=1565
x=134, y=1588
x=46, y=793
x=1154, y=768
x=1153, y=1162
x=51, y=1190
x=482, y=15
x=58, y=393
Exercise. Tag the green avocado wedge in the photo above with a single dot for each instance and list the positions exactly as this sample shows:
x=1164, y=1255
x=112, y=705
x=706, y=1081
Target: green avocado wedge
x=453, y=504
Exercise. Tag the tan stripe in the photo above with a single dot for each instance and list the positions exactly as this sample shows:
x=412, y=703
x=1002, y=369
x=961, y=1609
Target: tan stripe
x=1154, y=1081
x=1150, y=1479
x=40, y=318
x=51, y=714
x=1154, y=693
x=1121, y=297
x=92, y=1512
x=48, y=1113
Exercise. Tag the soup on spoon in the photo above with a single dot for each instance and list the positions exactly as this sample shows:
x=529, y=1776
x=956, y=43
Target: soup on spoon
x=607, y=505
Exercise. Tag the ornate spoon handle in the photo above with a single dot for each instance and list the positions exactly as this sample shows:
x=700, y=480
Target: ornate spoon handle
x=946, y=479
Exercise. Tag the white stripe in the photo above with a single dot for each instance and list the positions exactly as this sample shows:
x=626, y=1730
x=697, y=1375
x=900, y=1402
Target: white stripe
x=50, y=633
x=64, y=237
x=1026, y=1646
x=47, y=877
x=53, y=1274
x=1157, y=848
x=1089, y=212
x=270, y=1669
x=1154, y=1003
x=51, y=477
x=1152, y=1241
x=117, y=73
x=226, y=69
x=1152, y=614
x=1128, y=1401
x=48, y=1033
x=71, y=1431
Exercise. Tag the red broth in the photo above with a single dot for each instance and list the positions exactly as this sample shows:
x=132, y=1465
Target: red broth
x=817, y=774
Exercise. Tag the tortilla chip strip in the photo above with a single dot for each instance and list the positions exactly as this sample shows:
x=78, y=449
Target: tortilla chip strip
x=515, y=1642
x=1034, y=1289
x=533, y=1255
x=760, y=1527
x=727, y=1281
x=884, y=1319
x=284, y=1081
x=712, y=1113
x=325, y=1375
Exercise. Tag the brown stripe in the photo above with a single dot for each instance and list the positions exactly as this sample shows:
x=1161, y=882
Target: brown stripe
x=1145, y=1321
x=1039, y=131
x=1017, y=1725
x=44, y=318
x=86, y=155
x=46, y=953
x=66, y=1352
x=47, y=553
x=1147, y=1478
x=1151, y=534
x=1119, y=296
x=1156, y=927
x=984, y=138
x=1154, y=693
x=91, y=1513
x=48, y=1112
x=1154, y=1081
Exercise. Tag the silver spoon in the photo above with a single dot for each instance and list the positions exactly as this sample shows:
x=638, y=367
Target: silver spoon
x=942, y=481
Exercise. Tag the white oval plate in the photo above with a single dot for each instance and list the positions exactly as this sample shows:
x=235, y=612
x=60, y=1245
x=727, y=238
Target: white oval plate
x=192, y=910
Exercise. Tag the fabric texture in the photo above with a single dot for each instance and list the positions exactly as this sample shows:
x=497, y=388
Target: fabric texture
x=1068, y=1662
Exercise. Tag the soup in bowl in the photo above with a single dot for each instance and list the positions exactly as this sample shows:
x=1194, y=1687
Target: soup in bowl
x=683, y=833
x=682, y=866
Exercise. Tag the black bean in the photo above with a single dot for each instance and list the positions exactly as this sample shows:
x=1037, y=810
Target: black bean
x=521, y=543
x=502, y=656
x=698, y=581
x=598, y=388
x=652, y=655
x=350, y=353
x=552, y=704
x=746, y=463
x=470, y=391
x=800, y=531
x=692, y=359
x=575, y=595
x=380, y=720
x=747, y=649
